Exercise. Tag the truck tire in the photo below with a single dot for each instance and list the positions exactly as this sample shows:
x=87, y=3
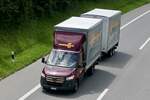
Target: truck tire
x=42, y=82
x=91, y=70
x=111, y=52
x=76, y=86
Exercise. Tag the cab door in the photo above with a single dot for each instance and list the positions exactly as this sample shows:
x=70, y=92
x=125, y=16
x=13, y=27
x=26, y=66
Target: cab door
x=81, y=67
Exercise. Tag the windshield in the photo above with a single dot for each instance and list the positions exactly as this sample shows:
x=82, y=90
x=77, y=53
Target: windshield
x=62, y=58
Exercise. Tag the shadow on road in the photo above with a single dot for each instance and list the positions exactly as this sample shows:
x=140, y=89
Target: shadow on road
x=90, y=85
x=119, y=60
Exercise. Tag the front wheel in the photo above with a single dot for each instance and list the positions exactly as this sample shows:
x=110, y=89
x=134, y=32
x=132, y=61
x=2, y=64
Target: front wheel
x=76, y=86
x=91, y=70
x=45, y=89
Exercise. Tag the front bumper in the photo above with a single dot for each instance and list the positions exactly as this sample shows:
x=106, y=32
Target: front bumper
x=67, y=85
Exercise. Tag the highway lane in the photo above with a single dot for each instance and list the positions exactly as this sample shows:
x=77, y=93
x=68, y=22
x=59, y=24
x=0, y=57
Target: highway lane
x=133, y=77
x=108, y=73
x=134, y=83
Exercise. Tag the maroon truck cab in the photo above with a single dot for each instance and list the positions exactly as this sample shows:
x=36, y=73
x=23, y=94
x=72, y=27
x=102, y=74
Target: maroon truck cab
x=64, y=66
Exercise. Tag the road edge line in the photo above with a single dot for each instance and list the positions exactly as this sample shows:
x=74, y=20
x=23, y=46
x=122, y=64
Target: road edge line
x=100, y=97
x=30, y=92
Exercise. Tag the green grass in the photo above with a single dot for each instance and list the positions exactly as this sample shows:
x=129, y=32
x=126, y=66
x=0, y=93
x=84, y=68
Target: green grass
x=33, y=39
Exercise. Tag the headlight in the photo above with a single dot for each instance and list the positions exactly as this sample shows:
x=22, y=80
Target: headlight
x=70, y=77
x=42, y=74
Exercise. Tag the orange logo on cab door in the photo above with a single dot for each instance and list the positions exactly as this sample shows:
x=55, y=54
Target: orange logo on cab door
x=68, y=45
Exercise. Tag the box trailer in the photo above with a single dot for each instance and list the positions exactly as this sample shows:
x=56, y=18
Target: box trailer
x=111, y=27
x=76, y=49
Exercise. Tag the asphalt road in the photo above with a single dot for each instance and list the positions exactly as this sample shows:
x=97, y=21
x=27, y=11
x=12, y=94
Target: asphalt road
x=125, y=76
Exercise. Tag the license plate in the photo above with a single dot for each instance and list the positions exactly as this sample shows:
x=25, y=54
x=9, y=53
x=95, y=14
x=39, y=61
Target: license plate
x=53, y=88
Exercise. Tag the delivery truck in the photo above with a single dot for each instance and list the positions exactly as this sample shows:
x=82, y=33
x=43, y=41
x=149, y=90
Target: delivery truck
x=77, y=46
x=111, y=28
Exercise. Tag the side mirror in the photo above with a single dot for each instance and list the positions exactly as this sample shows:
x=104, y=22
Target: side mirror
x=80, y=66
x=43, y=60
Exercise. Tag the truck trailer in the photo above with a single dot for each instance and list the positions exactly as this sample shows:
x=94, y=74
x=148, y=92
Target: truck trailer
x=77, y=46
x=111, y=28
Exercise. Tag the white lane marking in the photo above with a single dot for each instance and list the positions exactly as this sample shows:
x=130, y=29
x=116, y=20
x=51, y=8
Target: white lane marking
x=135, y=19
x=102, y=94
x=38, y=86
x=143, y=45
x=30, y=92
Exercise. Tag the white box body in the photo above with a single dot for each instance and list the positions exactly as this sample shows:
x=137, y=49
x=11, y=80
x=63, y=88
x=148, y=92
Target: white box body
x=111, y=26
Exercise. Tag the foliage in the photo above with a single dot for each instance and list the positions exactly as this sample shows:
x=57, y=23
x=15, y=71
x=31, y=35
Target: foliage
x=15, y=11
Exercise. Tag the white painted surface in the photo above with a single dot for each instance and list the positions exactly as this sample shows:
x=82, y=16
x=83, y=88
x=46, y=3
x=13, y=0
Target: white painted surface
x=102, y=94
x=30, y=92
x=104, y=12
x=143, y=45
x=78, y=23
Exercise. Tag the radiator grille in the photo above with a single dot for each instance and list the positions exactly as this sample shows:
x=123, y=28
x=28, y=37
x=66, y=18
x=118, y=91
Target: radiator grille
x=55, y=79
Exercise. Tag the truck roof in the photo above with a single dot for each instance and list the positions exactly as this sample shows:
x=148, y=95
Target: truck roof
x=103, y=12
x=78, y=23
